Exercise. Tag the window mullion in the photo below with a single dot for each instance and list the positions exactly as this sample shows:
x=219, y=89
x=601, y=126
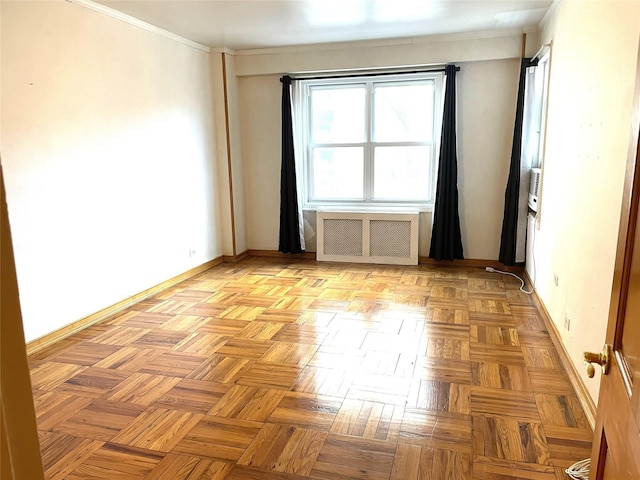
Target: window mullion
x=368, y=149
x=310, y=147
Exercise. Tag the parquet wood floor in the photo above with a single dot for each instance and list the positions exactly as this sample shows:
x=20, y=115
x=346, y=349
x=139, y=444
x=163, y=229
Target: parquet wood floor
x=291, y=370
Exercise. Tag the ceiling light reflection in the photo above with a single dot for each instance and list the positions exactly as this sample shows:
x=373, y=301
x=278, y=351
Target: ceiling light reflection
x=339, y=13
x=408, y=10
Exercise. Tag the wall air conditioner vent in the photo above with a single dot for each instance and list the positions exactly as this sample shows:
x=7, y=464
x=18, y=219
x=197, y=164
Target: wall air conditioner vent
x=534, y=188
x=367, y=237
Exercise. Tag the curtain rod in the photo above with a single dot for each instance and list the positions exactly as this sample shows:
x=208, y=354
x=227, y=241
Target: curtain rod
x=354, y=75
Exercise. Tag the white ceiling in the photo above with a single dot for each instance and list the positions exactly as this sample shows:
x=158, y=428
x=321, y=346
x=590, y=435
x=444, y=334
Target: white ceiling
x=245, y=24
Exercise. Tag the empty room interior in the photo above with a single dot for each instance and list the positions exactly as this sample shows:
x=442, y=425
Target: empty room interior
x=250, y=239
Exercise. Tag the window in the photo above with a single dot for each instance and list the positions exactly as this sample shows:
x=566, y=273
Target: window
x=370, y=140
x=540, y=89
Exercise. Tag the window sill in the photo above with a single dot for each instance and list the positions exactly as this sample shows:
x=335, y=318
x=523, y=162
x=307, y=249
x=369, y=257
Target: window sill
x=378, y=208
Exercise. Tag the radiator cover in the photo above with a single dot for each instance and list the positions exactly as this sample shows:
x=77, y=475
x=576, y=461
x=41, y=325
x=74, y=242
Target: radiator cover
x=367, y=237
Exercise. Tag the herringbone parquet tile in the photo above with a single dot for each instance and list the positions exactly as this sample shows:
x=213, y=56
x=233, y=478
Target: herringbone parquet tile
x=297, y=370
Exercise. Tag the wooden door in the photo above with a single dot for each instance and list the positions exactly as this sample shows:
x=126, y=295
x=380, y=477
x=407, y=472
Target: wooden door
x=616, y=447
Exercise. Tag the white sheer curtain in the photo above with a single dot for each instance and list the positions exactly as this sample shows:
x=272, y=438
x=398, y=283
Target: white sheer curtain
x=298, y=146
x=529, y=153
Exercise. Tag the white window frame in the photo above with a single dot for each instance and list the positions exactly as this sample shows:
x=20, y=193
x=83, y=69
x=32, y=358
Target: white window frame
x=542, y=70
x=302, y=106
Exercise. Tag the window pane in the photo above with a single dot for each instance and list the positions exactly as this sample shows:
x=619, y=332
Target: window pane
x=403, y=112
x=338, y=115
x=338, y=172
x=402, y=173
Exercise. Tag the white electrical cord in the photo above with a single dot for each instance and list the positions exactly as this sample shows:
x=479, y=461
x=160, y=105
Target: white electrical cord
x=522, y=289
x=579, y=470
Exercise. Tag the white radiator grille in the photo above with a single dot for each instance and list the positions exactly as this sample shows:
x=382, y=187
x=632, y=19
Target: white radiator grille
x=368, y=237
x=343, y=236
x=390, y=238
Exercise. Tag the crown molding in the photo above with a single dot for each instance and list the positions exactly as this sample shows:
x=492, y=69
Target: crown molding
x=382, y=42
x=226, y=50
x=550, y=12
x=123, y=17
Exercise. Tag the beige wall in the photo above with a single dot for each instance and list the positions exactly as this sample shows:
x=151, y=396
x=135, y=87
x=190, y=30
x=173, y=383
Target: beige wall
x=259, y=102
x=593, y=64
x=434, y=49
x=236, y=150
x=231, y=196
x=486, y=89
x=487, y=93
x=218, y=86
x=109, y=159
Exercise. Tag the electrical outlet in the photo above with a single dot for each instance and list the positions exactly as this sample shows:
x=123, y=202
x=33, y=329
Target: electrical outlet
x=567, y=322
x=555, y=279
x=192, y=253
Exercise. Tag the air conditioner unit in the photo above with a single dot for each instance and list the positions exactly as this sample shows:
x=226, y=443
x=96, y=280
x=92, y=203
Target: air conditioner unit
x=534, y=188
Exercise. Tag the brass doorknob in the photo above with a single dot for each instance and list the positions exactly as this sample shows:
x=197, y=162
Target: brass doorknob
x=601, y=359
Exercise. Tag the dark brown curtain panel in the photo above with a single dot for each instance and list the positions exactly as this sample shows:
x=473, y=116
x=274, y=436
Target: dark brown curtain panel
x=446, y=241
x=289, y=212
